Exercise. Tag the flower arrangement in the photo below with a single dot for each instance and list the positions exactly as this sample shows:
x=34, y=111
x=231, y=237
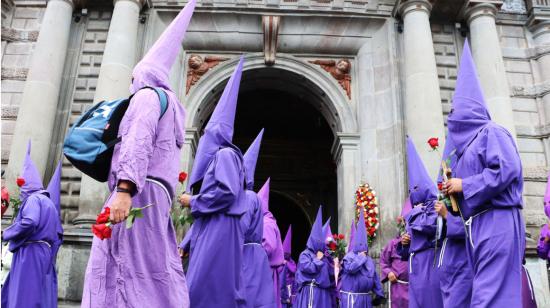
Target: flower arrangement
x=365, y=196
x=337, y=246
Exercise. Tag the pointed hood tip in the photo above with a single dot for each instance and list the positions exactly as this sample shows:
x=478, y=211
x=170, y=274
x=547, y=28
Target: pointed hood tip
x=250, y=159
x=33, y=180
x=263, y=194
x=326, y=229
x=316, y=241
x=54, y=188
x=361, y=240
x=421, y=186
x=287, y=243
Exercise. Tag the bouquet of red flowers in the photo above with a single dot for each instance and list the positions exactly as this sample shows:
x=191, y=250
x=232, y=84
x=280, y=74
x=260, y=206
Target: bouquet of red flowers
x=102, y=227
x=337, y=246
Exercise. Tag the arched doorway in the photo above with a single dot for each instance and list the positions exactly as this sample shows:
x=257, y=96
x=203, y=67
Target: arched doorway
x=302, y=111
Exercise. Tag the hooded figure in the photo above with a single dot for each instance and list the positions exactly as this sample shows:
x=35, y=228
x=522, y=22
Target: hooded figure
x=421, y=226
x=271, y=241
x=391, y=262
x=122, y=271
x=219, y=200
x=351, y=235
x=543, y=248
x=314, y=274
x=358, y=276
x=489, y=171
x=33, y=239
x=287, y=285
x=257, y=276
x=455, y=274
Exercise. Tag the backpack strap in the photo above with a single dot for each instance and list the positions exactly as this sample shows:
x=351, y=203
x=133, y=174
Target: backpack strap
x=163, y=99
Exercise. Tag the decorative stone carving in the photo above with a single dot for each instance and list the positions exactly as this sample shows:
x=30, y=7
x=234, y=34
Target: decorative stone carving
x=198, y=66
x=15, y=35
x=339, y=70
x=514, y=6
x=14, y=73
x=538, y=90
x=271, y=31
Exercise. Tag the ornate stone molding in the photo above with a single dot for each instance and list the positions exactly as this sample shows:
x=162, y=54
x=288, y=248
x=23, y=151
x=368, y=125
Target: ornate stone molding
x=12, y=73
x=477, y=8
x=16, y=35
x=536, y=173
x=538, y=90
x=192, y=137
x=140, y=3
x=407, y=6
x=344, y=141
x=271, y=32
x=339, y=71
x=197, y=66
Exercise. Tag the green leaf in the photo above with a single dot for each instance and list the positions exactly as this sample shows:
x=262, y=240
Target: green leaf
x=130, y=220
x=139, y=214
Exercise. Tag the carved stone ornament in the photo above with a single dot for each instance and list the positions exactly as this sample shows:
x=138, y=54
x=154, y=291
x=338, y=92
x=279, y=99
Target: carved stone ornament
x=339, y=70
x=197, y=66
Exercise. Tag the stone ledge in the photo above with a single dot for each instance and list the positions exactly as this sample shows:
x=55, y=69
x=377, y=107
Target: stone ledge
x=525, y=53
x=9, y=112
x=11, y=73
x=16, y=35
x=537, y=173
x=534, y=91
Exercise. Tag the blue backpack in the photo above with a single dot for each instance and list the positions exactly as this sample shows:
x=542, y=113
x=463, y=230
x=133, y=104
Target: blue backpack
x=91, y=140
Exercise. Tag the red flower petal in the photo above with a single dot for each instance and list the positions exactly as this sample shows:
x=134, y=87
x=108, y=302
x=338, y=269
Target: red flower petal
x=20, y=181
x=182, y=177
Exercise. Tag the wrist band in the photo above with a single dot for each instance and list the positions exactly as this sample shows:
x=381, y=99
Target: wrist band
x=123, y=190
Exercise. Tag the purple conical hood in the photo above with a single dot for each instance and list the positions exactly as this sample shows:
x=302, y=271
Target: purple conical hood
x=547, y=198
x=219, y=130
x=287, y=243
x=326, y=230
x=153, y=70
x=421, y=186
x=316, y=240
x=407, y=207
x=250, y=158
x=361, y=241
x=351, y=235
x=263, y=194
x=54, y=188
x=33, y=181
x=449, y=155
x=469, y=112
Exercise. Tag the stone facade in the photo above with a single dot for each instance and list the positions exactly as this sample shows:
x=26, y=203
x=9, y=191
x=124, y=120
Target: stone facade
x=378, y=37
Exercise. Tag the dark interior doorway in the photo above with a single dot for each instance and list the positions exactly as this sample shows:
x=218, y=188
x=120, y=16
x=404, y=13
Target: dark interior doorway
x=296, y=148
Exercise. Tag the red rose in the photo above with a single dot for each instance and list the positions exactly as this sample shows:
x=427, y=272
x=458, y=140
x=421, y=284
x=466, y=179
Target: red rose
x=332, y=246
x=103, y=217
x=335, y=236
x=20, y=181
x=433, y=142
x=182, y=177
x=440, y=186
x=340, y=236
x=102, y=231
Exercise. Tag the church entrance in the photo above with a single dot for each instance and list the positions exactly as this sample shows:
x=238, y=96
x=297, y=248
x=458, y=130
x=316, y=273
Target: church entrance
x=296, y=148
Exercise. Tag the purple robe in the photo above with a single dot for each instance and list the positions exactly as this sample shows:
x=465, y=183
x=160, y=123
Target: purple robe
x=215, y=267
x=121, y=271
x=257, y=274
x=315, y=281
x=491, y=200
x=543, y=248
x=455, y=273
x=527, y=292
x=32, y=279
x=390, y=261
x=358, y=279
x=287, y=283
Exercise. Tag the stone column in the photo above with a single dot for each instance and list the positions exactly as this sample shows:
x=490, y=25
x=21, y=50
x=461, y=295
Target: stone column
x=345, y=151
x=423, y=110
x=115, y=76
x=487, y=54
x=36, y=117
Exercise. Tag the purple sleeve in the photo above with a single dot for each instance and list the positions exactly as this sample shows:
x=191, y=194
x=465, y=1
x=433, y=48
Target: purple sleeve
x=385, y=261
x=352, y=262
x=220, y=186
x=309, y=264
x=269, y=242
x=26, y=222
x=502, y=166
x=403, y=251
x=423, y=219
x=186, y=242
x=543, y=248
x=455, y=227
x=378, y=290
x=138, y=132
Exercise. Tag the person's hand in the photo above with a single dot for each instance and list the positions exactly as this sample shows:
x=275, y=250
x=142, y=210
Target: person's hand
x=185, y=200
x=320, y=255
x=406, y=239
x=441, y=209
x=547, y=239
x=120, y=208
x=453, y=186
x=392, y=277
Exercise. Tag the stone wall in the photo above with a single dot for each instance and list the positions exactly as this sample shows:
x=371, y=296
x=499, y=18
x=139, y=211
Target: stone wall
x=20, y=27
